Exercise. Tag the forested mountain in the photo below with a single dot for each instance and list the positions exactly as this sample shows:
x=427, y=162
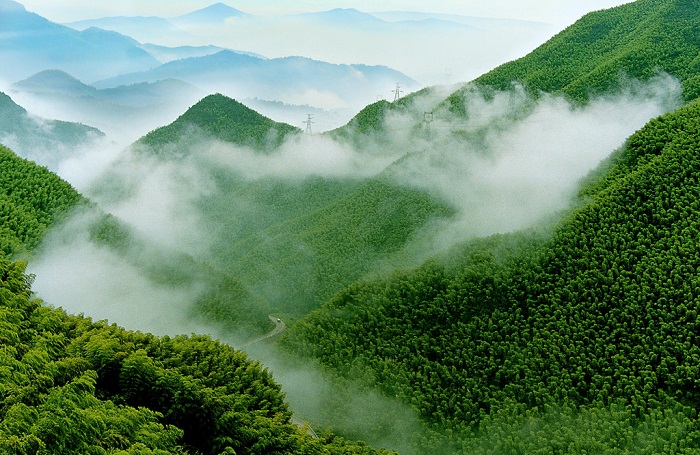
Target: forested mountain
x=580, y=341
x=598, y=52
x=31, y=199
x=292, y=241
x=222, y=118
x=579, y=336
x=601, y=319
x=45, y=141
x=73, y=386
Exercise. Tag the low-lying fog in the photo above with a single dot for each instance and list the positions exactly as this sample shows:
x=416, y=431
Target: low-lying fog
x=512, y=162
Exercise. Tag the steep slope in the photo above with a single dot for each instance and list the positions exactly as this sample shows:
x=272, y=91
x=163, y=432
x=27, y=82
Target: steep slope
x=45, y=141
x=32, y=43
x=601, y=318
x=74, y=386
x=636, y=40
x=222, y=118
x=31, y=200
x=302, y=261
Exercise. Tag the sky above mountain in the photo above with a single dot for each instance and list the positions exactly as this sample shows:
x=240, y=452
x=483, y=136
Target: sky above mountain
x=559, y=12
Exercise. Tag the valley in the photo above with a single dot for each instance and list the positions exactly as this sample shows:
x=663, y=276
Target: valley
x=503, y=265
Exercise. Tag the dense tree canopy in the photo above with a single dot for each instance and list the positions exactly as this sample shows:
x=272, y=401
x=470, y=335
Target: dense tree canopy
x=597, y=53
x=222, y=118
x=31, y=198
x=604, y=316
x=69, y=385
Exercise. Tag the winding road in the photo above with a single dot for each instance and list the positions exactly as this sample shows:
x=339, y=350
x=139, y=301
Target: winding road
x=280, y=327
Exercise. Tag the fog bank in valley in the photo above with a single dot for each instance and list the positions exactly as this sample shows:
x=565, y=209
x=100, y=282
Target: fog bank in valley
x=511, y=162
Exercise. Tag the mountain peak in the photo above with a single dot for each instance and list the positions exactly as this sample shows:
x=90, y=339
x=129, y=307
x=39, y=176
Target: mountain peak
x=52, y=81
x=218, y=12
x=8, y=6
x=345, y=16
x=225, y=119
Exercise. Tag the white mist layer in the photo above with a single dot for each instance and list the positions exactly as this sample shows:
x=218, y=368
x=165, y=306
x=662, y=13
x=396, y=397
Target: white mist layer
x=81, y=277
x=511, y=174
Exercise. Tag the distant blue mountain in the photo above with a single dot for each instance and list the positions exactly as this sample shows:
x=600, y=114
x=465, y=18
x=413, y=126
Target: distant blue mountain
x=141, y=107
x=216, y=13
x=168, y=54
x=132, y=26
x=30, y=43
x=242, y=76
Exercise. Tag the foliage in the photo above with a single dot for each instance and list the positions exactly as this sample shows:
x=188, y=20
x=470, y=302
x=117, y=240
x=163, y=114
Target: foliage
x=222, y=118
x=31, y=200
x=371, y=120
x=68, y=385
x=594, y=55
x=604, y=316
x=301, y=261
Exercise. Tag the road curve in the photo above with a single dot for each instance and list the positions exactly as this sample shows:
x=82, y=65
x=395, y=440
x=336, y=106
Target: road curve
x=280, y=327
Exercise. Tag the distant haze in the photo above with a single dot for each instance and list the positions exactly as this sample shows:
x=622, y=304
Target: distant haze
x=553, y=11
x=446, y=46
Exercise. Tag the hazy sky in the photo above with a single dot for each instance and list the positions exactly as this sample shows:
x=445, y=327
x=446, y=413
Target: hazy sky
x=553, y=11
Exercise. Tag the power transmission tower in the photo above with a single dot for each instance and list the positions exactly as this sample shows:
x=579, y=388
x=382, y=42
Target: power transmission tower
x=428, y=118
x=397, y=92
x=308, y=123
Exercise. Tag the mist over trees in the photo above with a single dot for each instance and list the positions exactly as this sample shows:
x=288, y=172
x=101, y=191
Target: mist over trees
x=508, y=266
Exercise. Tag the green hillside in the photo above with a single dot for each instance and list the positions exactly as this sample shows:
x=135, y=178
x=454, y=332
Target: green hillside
x=636, y=40
x=222, y=118
x=69, y=386
x=601, y=320
x=292, y=242
x=298, y=263
x=31, y=200
x=584, y=341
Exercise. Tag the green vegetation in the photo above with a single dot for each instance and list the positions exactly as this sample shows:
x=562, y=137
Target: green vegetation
x=598, y=322
x=298, y=263
x=31, y=200
x=222, y=118
x=371, y=120
x=583, y=339
x=68, y=385
x=596, y=54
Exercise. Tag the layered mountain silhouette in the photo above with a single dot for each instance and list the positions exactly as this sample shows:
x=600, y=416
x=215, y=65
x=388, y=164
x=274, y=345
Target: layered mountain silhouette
x=30, y=43
x=47, y=142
